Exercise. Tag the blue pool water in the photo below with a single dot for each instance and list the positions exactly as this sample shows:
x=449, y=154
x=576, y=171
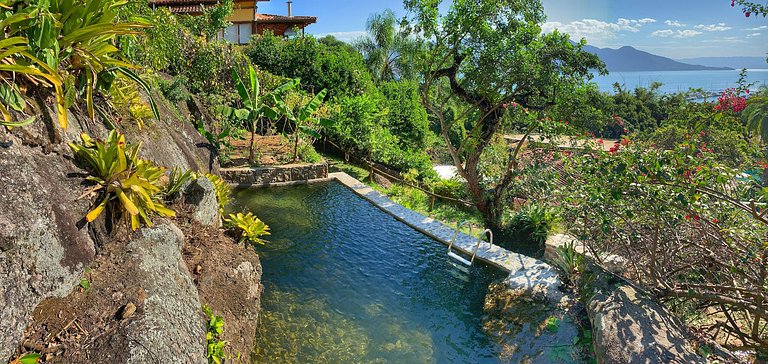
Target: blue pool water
x=347, y=283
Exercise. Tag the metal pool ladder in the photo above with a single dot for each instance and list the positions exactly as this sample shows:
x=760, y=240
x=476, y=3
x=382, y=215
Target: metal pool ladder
x=477, y=246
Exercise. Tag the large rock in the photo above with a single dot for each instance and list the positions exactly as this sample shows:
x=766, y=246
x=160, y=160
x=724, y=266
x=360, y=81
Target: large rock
x=201, y=195
x=168, y=325
x=43, y=252
x=629, y=327
x=536, y=279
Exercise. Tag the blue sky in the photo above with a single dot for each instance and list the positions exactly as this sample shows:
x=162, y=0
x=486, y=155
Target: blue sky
x=672, y=28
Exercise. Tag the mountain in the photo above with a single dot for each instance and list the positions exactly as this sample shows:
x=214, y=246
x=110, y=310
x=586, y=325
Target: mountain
x=628, y=59
x=735, y=62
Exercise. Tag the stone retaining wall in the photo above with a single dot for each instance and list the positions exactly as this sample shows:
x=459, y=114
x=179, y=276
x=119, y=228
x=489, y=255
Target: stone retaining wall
x=275, y=175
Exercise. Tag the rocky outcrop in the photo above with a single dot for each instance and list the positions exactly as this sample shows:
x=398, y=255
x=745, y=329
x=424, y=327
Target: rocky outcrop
x=167, y=325
x=46, y=248
x=43, y=250
x=201, y=196
x=629, y=327
x=264, y=176
x=536, y=280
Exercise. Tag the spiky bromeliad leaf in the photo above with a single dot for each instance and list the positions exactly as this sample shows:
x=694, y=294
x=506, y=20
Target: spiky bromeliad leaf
x=121, y=176
x=251, y=227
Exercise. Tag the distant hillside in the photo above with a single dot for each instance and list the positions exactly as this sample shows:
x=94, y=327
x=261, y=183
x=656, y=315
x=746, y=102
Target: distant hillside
x=628, y=59
x=734, y=62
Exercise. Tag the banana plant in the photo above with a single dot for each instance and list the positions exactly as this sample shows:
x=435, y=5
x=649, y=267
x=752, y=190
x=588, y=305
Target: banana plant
x=254, y=108
x=305, y=120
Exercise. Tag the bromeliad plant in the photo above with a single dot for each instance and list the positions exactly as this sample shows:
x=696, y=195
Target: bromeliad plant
x=19, y=67
x=121, y=176
x=70, y=44
x=252, y=228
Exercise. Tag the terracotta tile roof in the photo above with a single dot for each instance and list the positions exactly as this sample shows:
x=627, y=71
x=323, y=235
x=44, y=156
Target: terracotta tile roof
x=271, y=18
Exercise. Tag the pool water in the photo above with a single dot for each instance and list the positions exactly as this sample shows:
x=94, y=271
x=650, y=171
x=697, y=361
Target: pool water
x=347, y=283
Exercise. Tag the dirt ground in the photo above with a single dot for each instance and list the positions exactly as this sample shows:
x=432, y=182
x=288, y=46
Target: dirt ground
x=269, y=151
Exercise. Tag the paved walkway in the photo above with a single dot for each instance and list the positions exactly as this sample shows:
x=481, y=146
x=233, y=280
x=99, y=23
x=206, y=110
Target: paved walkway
x=525, y=272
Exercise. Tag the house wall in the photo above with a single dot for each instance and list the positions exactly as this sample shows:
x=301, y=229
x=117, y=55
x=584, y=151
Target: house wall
x=241, y=15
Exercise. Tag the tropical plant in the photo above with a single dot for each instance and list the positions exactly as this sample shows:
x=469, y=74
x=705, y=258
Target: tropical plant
x=214, y=344
x=304, y=119
x=253, y=107
x=17, y=59
x=534, y=222
x=755, y=115
x=251, y=228
x=569, y=260
x=389, y=52
x=120, y=175
x=223, y=191
x=177, y=179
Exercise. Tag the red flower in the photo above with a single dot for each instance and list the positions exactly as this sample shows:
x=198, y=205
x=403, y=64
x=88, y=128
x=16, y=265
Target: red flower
x=747, y=14
x=733, y=3
x=715, y=221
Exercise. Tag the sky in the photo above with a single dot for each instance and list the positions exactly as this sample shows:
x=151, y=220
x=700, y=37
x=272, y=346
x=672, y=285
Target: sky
x=671, y=28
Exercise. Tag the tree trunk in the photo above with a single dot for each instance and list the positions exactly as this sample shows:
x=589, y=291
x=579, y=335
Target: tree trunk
x=251, y=152
x=296, y=149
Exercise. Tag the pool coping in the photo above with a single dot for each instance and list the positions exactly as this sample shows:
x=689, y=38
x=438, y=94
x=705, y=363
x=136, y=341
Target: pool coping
x=526, y=273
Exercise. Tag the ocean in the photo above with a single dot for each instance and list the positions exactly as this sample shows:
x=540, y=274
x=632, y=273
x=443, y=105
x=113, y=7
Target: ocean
x=677, y=81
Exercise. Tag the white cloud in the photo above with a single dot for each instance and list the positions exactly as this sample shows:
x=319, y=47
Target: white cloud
x=719, y=27
x=764, y=27
x=344, y=36
x=725, y=40
x=665, y=33
x=753, y=35
x=674, y=23
x=597, y=31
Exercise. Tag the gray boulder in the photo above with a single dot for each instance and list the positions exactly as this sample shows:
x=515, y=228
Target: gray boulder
x=629, y=327
x=43, y=252
x=201, y=195
x=168, y=325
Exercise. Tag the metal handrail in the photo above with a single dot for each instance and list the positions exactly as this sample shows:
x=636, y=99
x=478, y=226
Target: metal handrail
x=456, y=233
x=479, y=240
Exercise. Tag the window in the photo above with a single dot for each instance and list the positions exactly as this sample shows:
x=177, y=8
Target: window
x=230, y=34
x=245, y=32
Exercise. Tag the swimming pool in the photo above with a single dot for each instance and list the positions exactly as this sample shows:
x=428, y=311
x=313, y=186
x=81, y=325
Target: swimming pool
x=347, y=283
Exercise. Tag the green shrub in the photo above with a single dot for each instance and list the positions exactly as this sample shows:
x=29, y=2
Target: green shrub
x=533, y=223
x=320, y=65
x=308, y=154
x=406, y=116
x=174, y=90
x=214, y=344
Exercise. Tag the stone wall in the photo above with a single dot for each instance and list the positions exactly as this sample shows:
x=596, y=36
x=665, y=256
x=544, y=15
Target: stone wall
x=275, y=175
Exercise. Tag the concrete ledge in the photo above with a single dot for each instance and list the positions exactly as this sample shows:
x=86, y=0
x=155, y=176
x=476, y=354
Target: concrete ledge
x=527, y=274
x=276, y=175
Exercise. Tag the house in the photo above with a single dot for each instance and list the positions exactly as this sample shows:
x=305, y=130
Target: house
x=246, y=19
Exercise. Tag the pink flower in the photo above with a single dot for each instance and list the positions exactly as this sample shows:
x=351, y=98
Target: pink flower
x=747, y=14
